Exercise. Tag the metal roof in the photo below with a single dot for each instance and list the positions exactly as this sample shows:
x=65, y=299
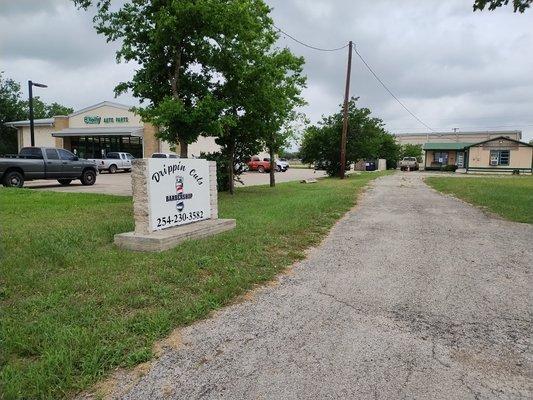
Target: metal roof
x=446, y=146
x=36, y=122
x=459, y=133
x=96, y=131
x=101, y=104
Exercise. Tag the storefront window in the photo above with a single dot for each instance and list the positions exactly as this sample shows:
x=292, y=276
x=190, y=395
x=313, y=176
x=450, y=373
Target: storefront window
x=499, y=157
x=441, y=157
x=99, y=146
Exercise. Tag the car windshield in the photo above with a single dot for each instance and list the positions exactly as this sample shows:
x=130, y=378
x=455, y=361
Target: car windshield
x=34, y=152
x=158, y=155
x=173, y=156
x=129, y=156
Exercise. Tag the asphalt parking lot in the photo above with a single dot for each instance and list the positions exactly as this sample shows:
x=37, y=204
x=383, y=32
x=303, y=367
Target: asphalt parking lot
x=120, y=183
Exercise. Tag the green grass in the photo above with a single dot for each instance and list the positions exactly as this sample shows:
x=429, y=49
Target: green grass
x=74, y=306
x=511, y=196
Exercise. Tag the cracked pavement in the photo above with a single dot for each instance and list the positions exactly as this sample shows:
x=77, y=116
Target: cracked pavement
x=413, y=295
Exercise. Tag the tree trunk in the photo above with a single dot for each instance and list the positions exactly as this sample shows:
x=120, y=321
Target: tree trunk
x=231, y=163
x=272, y=167
x=184, y=148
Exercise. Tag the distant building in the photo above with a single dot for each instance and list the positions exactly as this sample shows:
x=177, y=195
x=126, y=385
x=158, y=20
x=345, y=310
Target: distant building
x=102, y=128
x=481, y=151
x=454, y=137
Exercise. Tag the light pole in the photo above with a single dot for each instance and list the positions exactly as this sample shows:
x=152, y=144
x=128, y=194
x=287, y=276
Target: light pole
x=30, y=94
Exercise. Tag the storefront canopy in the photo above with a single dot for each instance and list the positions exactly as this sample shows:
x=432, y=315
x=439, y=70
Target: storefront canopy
x=446, y=146
x=97, y=131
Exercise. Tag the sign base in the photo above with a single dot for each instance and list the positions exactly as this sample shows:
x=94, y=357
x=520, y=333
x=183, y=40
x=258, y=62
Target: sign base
x=168, y=238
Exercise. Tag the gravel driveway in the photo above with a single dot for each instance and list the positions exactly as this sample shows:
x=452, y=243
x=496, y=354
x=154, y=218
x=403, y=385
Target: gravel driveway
x=413, y=295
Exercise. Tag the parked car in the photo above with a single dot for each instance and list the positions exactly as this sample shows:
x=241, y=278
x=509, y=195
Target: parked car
x=282, y=165
x=410, y=163
x=256, y=164
x=114, y=161
x=165, y=155
x=46, y=163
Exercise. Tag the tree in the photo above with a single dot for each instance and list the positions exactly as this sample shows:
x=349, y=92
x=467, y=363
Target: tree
x=281, y=81
x=11, y=109
x=43, y=110
x=239, y=63
x=366, y=139
x=518, y=5
x=175, y=43
x=412, y=150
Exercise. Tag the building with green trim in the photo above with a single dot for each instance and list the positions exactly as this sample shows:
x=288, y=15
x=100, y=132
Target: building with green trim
x=498, y=154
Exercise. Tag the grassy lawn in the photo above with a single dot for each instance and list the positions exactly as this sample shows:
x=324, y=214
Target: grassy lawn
x=510, y=196
x=74, y=306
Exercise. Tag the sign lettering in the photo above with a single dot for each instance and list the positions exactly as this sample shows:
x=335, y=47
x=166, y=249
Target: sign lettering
x=178, y=192
x=96, y=120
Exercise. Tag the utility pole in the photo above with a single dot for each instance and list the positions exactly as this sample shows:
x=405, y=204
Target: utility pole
x=345, y=116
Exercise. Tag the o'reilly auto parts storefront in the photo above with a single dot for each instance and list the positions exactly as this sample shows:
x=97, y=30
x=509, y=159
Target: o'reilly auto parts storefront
x=94, y=131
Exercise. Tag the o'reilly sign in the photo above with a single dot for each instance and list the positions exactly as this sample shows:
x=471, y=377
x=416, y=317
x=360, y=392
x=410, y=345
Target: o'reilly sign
x=178, y=192
x=97, y=120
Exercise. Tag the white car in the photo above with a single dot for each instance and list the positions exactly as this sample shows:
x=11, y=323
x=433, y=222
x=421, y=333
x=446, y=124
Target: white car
x=282, y=165
x=165, y=155
x=114, y=161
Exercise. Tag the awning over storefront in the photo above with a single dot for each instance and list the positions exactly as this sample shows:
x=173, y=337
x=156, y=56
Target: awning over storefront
x=446, y=146
x=98, y=131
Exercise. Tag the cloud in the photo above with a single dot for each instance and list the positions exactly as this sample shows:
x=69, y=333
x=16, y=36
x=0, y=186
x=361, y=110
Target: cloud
x=450, y=66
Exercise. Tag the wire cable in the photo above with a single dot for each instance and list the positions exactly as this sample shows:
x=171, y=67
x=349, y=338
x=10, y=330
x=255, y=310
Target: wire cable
x=389, y=91
x=308, y=45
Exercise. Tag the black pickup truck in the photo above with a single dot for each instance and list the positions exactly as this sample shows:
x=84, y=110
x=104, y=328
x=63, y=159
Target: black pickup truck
x=45, y=163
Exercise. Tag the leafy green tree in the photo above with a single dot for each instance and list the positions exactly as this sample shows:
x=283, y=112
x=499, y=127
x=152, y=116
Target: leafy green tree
x=366, y=139
x=11, y=109
x=412, y=150
x=281, y=83
x=239, y=63
x=518, y=5
x=43, y=110
x=175, y=43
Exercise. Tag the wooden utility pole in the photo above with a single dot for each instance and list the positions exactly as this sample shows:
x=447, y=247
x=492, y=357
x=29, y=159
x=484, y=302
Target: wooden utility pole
x=345, y=117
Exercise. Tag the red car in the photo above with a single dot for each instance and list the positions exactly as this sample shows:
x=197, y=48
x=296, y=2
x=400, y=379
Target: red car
x=256, y=164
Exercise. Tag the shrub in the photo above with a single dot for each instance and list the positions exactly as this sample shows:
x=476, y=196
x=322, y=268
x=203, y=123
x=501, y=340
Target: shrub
x=450, y=168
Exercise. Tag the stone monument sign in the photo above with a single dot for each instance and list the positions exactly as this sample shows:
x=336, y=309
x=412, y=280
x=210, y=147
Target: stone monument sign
x=173, y=200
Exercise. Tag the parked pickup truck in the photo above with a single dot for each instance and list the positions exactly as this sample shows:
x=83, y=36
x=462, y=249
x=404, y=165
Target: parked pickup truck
x=45, y=163
x=409, y=163
x=114, y=161
x=256, y=164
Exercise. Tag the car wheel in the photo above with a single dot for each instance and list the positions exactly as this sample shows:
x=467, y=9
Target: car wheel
x=279, y=169
x=88, y=177
x=14, y=179
x=112, y=169
x=64, y=182
x=261, y=169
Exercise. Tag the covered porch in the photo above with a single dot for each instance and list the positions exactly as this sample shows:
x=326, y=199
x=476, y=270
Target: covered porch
x=439, y=155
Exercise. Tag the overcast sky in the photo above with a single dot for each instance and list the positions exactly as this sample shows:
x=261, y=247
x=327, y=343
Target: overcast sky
x=453, y=68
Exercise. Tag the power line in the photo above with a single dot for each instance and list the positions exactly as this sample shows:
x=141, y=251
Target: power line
x=389, y=91
x=308, y=45
x=365, y=63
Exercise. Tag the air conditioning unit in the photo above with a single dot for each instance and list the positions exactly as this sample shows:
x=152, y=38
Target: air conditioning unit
x=494, y=161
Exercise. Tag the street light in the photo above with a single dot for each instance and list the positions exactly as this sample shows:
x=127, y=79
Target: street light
x=30, y=94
